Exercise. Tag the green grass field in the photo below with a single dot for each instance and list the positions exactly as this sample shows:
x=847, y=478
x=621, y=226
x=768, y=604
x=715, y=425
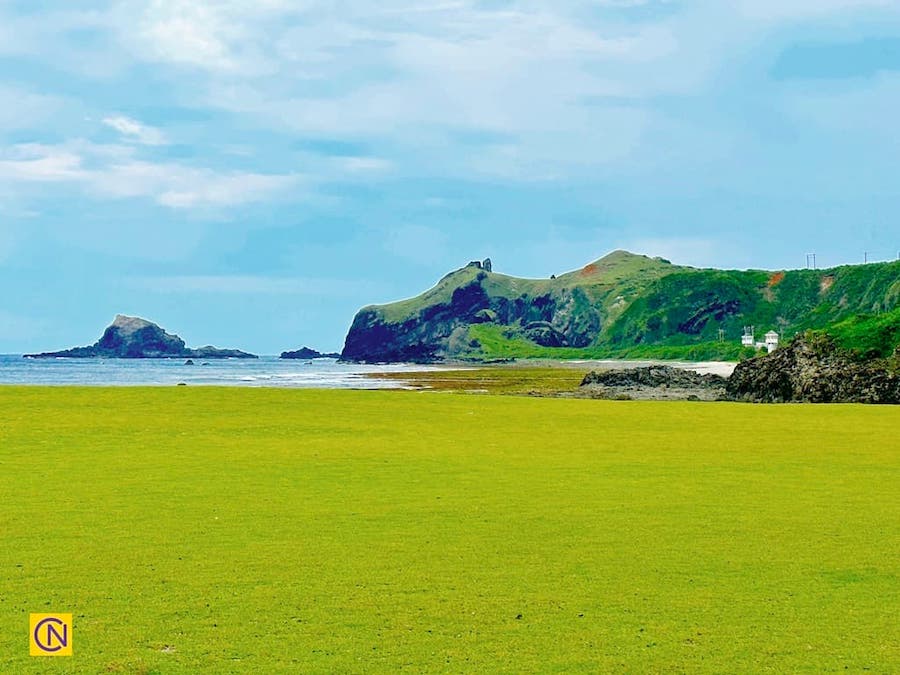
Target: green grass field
x=250, y=530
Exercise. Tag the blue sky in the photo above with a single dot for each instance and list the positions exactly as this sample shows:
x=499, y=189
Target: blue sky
x=249, y=174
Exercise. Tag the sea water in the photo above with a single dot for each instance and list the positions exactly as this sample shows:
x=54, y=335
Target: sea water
x=267, y=371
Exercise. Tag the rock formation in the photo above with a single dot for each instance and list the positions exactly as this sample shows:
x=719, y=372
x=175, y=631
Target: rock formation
x=653, y=382
x=813, y=369
x=307, y=354
x=133, y=338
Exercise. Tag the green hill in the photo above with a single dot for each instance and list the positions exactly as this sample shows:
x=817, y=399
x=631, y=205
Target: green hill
x=627, y=305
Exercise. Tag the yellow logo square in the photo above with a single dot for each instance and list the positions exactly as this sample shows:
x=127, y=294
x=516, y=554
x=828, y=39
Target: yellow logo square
x=50, y=635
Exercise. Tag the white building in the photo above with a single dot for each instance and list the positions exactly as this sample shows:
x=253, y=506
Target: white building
x=771, y=341
x=747, y=337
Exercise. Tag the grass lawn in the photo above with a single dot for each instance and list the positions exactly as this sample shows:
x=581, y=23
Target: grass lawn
x=251, y=530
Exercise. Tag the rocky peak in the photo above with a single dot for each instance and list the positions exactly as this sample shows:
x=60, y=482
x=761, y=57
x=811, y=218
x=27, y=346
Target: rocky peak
x=130, y=324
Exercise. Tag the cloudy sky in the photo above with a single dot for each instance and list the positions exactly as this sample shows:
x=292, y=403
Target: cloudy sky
x=251, y=173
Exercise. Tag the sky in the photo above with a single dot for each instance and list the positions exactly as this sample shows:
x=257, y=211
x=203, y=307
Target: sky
x=249, y=174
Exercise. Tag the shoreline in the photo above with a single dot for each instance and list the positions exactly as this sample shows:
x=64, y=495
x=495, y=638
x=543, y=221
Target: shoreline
x=270, y=372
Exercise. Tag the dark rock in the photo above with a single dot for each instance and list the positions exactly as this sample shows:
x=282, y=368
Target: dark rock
x=474, y=263
x=210, y=352
x=812, y=369
x=653, y=382
x=133, y=338
x=653, y=376
x=307, y=354
x=487, y=266
x=544, y=334
x=189, y=362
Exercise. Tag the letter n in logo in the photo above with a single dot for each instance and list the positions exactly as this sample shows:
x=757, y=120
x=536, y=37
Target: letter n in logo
x=50, y=635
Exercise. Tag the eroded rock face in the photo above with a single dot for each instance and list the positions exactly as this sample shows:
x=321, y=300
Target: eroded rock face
x=544, y=334
x=812, y=369
x=130, y=337
x=555, y=319
x=653, y=382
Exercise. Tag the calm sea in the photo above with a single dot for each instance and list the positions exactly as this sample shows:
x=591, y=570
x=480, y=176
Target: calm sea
x=267, y=371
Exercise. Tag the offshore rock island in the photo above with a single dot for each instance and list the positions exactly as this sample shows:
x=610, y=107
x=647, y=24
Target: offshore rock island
x=131, y=337
x=308, y=354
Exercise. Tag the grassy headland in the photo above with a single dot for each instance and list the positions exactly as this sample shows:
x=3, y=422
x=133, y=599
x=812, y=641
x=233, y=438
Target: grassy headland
x=625, y=306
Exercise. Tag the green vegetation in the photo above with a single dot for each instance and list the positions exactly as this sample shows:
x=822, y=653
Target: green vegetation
x=625, y=306
x=223, y=530
x=867, y=335
x=692, y=307
x=499, y=342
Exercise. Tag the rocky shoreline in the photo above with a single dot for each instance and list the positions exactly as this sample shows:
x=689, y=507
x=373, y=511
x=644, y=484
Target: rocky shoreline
x=653, y=383
x=811, y=369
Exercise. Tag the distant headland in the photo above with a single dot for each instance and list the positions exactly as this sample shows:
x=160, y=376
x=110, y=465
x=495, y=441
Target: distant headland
x=130, y=337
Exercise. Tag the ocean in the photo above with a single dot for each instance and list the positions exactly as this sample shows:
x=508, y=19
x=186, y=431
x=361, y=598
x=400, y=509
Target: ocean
x=267, y=371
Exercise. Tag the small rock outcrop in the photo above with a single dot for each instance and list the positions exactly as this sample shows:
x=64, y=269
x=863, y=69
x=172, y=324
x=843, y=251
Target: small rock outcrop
x=308, y=354
x=653, y=376
x=812, y=369
x=130, y=337
x=653, y=382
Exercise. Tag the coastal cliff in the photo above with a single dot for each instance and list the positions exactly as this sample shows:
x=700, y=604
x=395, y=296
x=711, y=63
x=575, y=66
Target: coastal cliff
x=623, y=305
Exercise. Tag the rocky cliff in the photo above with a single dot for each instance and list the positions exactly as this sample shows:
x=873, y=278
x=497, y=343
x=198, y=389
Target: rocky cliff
x=565, y=311
x=131, y=337
x=813, y=369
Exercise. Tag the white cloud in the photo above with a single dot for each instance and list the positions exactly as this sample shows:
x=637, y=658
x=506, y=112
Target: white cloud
x=577, y=87
x=224, y=36
x=42, y=163
x=113, y=171
x=136, y=131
